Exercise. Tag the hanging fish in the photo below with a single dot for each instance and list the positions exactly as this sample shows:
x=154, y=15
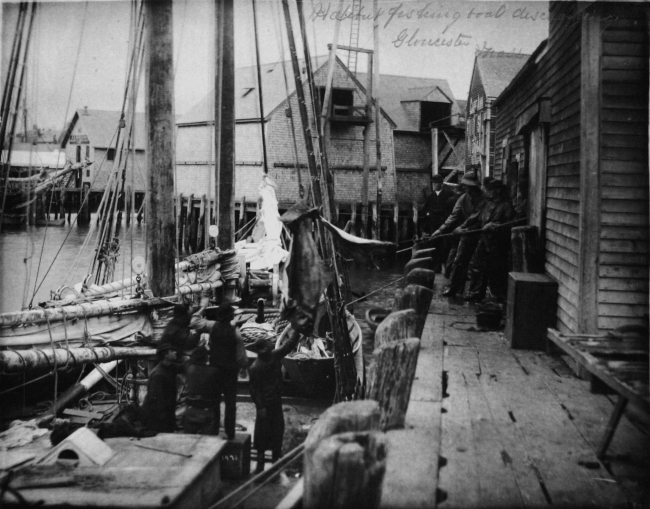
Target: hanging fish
x=304, y=273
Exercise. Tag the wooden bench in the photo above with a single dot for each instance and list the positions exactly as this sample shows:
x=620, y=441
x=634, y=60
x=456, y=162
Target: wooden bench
x=619, y=360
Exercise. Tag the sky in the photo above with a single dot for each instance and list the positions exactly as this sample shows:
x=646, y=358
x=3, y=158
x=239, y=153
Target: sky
x=79, y=50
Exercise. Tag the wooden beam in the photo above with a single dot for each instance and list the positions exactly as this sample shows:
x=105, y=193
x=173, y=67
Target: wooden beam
x=224, y=127
x=161, y=228
x=375, y=70
x=589, y=234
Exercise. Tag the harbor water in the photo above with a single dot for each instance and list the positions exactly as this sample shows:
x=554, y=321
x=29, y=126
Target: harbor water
x=36, y=261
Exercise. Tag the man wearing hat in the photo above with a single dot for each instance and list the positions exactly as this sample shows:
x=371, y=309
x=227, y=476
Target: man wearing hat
x=434, y=212
x=158, y=411
x=489, y=264
x=226, y=349
x=466, y=205
x=266, y=392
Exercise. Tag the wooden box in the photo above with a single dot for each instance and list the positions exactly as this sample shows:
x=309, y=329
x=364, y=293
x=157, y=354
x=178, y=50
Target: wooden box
x=531, y=309
x=236, y=457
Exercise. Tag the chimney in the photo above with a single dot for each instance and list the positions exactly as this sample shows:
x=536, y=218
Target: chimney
x=86, y=110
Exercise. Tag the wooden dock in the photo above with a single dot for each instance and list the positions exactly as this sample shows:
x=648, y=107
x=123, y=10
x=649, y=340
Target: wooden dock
x=488, y=426
x=170, y=470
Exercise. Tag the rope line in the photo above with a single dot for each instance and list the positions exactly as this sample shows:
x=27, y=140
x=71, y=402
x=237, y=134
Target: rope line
x=375, y=291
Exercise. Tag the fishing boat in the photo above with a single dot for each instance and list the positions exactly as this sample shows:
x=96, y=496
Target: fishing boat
x=311, y=365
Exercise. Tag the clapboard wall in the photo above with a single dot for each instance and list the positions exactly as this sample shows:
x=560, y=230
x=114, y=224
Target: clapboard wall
x=596, y=204
x=623, y=243
x=553, y=71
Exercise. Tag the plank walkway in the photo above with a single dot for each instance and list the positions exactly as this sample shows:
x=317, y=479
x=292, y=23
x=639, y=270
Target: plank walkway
x=489, y=426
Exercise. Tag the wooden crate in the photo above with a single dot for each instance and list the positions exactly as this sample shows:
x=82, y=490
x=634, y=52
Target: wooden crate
x=531, y=309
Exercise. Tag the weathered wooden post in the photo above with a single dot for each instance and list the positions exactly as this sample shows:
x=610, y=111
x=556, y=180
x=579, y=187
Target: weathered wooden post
x=390, y=378
x=188, y=224
x=397, y=325
x=345, y=457
x=525, y=249
x=159, y=111
x=424, y=277
x=414, y=297
x=396, y=221
x=418, y=263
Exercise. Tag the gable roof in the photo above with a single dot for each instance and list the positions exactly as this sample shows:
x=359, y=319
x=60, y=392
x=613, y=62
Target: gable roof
x=393, y=90
x=246, y=95
x=498, y=69
x=101, y=126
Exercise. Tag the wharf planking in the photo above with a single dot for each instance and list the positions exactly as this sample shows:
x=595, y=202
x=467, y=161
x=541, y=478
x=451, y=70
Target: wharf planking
x=185, y=473
x=519, y=430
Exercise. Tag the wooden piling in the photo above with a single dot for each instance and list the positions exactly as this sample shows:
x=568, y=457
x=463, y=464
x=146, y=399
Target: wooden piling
x=397, y=325
x=200, y=227
x=180, y=223
x=390, y=378
x=414, y=297
x=352, y=416
x=396, y=221
x=375, y=222
x=419, y=276
x=188, y=223
x=348, y=471
x=364, y=221
x=418, y=263
x=415, y=218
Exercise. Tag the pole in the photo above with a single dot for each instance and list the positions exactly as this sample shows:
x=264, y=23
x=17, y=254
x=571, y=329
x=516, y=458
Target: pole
x=224, y=123
x=302, y=106
x=366, y=150
x=377, y=224
x=259, y=88
x=434, y=151
x=159, y=106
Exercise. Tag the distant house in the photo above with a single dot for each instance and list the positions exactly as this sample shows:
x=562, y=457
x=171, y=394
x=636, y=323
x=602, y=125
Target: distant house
x=38, y=136
x=492, y=72
x=92, y=135
x=416, y=105
x=408, y=106
x=573, y=126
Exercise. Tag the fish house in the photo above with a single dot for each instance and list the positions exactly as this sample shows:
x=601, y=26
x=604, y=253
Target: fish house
x=572, y=130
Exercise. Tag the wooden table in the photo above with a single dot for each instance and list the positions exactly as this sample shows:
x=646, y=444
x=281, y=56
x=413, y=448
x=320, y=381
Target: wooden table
x=618, y=360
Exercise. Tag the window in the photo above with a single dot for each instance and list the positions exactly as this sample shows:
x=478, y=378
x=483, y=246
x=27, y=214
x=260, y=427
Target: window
x=342, y=101
x=78, y=153
x=111, y=154
x=434, y=113
x=88, y=152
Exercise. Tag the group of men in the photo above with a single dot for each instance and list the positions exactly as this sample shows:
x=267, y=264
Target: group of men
x=211, y=370
x=471, y=242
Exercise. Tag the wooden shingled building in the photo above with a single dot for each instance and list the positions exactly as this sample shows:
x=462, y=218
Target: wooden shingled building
x=572, y=129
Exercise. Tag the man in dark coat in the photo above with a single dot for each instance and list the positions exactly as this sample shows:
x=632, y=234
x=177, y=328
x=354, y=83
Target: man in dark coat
x=177, y=332
x=435, y=209
x=434, y=213
x=266, y=392
x=158, y=412
x=226, y=346
x=489, y=263
x=466, y=205
x=201, y=387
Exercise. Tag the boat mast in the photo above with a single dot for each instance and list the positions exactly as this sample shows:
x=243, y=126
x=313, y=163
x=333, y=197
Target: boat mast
x=259, y=89
x=224, y=123
x=159, y=111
